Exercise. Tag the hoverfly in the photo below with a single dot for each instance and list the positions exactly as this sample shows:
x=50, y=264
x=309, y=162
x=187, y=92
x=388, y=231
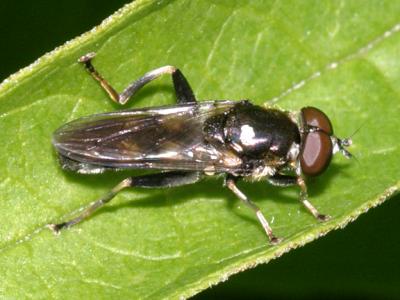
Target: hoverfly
x=191, y=139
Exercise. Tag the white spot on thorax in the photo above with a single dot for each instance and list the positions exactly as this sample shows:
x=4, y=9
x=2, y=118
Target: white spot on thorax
x=247, y=135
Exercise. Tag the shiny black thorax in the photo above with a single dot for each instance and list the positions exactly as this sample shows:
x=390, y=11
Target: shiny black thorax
x=252, y=132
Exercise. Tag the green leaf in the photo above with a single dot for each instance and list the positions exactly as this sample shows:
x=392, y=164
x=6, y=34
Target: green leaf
x=340, y=57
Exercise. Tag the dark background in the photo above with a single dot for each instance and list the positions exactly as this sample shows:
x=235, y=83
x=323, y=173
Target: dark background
x=362, y=261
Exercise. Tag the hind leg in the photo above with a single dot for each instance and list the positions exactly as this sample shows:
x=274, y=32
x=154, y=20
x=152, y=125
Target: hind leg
x=183, y=91
x=159, y=180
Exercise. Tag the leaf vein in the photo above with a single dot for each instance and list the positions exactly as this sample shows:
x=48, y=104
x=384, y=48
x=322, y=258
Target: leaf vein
x=333, y=65
x=136, y=254
x=218, y=38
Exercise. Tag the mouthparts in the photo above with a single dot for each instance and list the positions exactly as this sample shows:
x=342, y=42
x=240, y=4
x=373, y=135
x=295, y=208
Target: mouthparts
x=339, y=145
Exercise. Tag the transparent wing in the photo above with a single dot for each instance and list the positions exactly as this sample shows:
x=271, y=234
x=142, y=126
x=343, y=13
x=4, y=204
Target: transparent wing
x=168, y=137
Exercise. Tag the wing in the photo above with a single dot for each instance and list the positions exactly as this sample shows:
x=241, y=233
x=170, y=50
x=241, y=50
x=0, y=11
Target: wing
x=169, y=137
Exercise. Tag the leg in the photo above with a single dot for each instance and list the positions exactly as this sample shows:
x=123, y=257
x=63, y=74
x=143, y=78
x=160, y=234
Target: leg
x=184, y=93
x=287, y=180
x=231, y=184
x=304, y=199
x=282, y=180
x=160, y=180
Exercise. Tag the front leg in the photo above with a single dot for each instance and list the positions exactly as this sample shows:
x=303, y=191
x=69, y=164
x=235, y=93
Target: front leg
x=288, y=180
x=304, y=199
x=282, y=180
x=183, y=91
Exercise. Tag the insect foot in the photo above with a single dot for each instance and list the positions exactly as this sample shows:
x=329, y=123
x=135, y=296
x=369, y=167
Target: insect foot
x=55, y=228
x=87, y=57
x=323, y=218
x=275, y=240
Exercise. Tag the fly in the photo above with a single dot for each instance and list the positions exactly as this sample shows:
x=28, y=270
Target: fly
x=191, y=139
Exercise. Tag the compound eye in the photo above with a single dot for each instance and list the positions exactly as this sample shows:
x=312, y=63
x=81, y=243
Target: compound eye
x=316, y=153
x=314, y=117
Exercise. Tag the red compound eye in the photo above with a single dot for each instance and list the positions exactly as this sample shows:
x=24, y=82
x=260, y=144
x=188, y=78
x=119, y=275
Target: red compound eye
x=314, y=117
x=316, y=151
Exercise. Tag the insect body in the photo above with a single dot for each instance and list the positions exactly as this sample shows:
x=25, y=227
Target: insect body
x=192, y=139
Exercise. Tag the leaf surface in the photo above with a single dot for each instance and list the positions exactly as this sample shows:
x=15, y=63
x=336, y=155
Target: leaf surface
x=338, y=56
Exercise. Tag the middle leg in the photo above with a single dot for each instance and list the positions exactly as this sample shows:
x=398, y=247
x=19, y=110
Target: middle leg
x=231, y=184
